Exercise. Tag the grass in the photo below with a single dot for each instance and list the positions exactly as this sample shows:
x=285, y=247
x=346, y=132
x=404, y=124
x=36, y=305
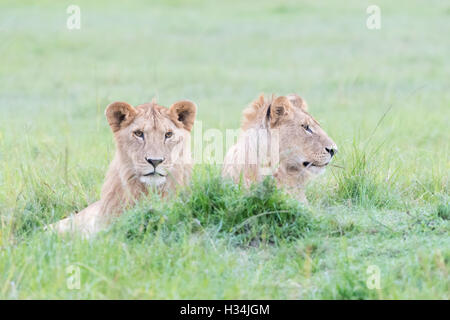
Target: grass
x=381, y=95
x=262, y=214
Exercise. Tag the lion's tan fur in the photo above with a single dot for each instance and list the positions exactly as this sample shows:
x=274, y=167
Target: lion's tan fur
x=276, y=126
x=125, y=180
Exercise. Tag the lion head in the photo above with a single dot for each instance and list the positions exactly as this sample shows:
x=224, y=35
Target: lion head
x=301, y=147
x=152, y=141
x=304, y=145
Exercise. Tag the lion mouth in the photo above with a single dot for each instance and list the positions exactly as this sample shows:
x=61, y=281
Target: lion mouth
x=154, y=173
x=308, y=164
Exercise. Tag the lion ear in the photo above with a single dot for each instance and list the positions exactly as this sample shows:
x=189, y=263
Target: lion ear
x=183, y=113
x=119, y=115
x=279, y=109
x=297, y=101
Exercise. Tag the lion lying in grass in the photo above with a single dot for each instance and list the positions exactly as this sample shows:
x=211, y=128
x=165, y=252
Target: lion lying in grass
x=153, y=151
x=282, y=139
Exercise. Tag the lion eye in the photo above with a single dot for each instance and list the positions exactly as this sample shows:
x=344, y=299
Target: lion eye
x=307, y=128
x=169, y=134
x=139, y=134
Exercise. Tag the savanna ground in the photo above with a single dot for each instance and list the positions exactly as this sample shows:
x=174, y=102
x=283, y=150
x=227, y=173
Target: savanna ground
x=382, y=95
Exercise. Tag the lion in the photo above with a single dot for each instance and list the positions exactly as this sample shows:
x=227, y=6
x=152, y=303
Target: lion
x=279, y=138
x=152, y=152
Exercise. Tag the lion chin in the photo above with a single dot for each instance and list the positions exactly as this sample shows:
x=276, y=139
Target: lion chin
x=150, y=139
x=155, y=180
x=314, y=169
x=291, y=133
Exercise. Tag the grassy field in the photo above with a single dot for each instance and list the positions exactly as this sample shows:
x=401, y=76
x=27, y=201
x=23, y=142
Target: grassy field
x=382, y=95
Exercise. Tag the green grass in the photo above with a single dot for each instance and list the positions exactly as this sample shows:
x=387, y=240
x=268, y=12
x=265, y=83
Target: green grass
x=381, y=95
x=262, y=214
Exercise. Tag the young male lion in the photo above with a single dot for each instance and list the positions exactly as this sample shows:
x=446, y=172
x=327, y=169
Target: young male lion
x=279, y=138
x=152, y=151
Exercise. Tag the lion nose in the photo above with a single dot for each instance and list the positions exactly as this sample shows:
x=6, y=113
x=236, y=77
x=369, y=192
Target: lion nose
x=154, y=162
x=331, y=151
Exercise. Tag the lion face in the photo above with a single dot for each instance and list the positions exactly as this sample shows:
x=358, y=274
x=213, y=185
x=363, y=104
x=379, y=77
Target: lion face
x=304, y=146
x=152, y=140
